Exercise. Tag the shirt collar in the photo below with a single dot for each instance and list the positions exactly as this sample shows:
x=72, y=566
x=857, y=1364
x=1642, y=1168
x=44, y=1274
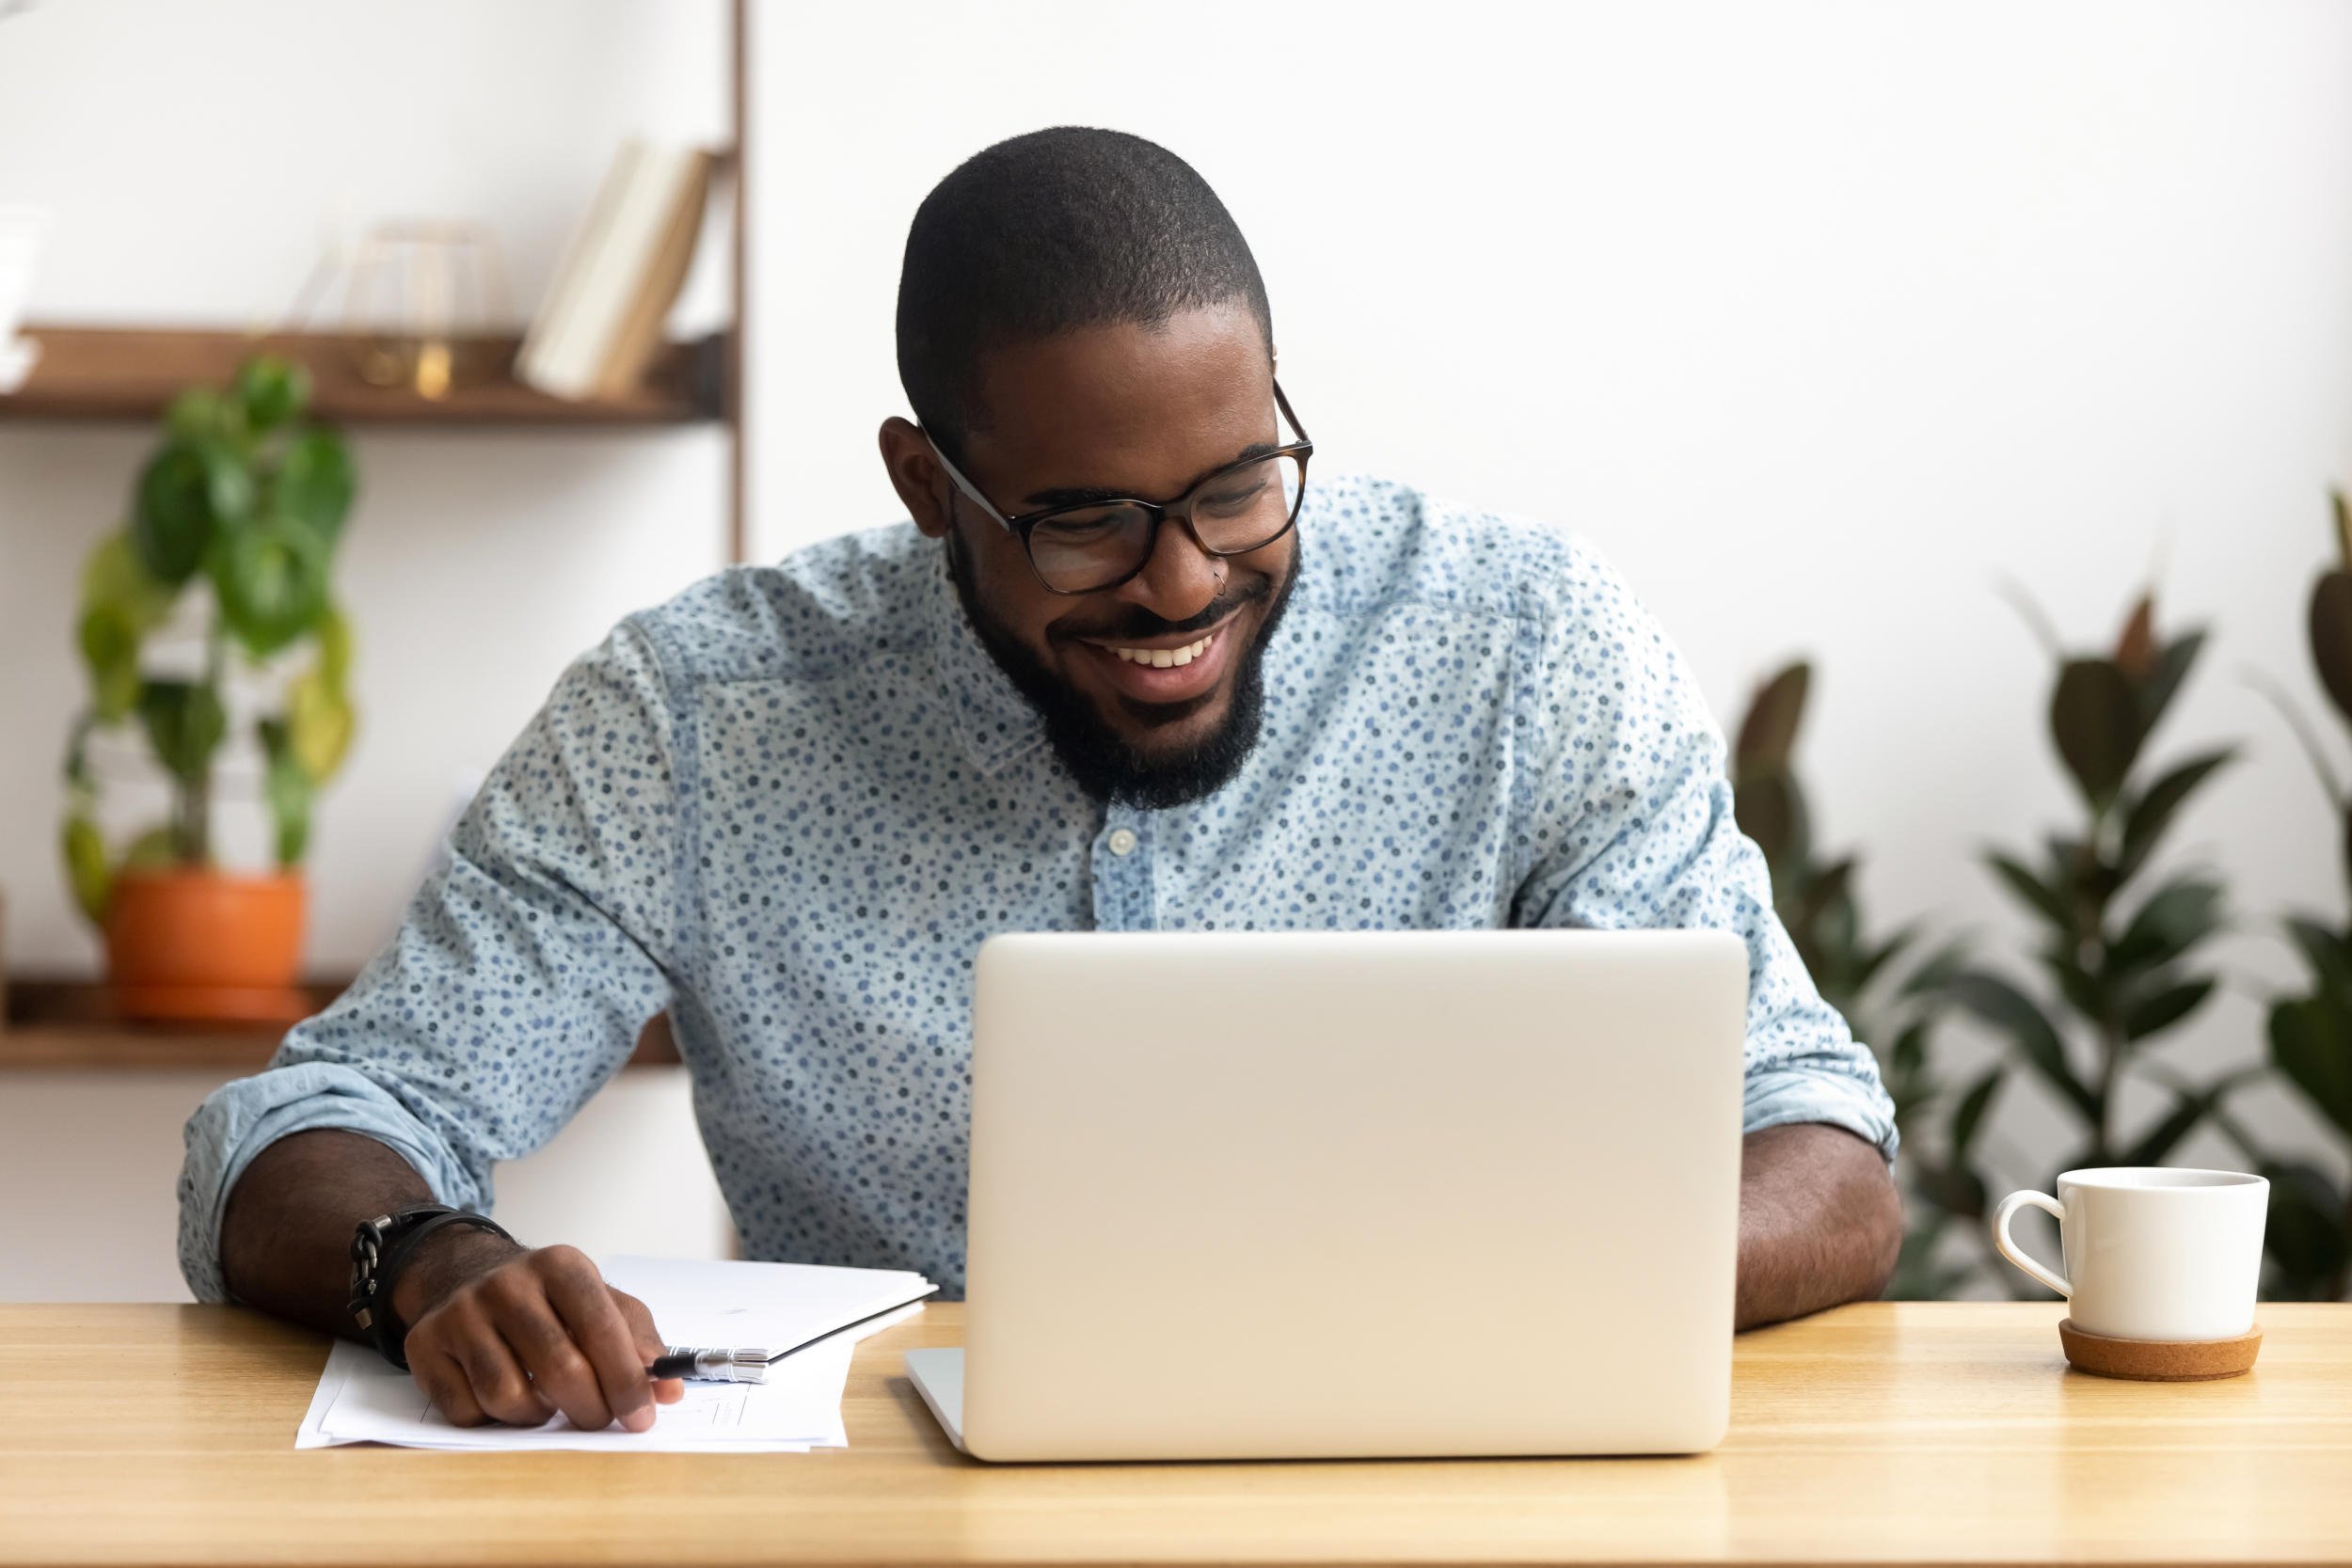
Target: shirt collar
x=992, y=719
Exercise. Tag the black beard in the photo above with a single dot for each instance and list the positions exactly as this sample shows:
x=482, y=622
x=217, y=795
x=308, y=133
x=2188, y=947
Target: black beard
x=1104, y=763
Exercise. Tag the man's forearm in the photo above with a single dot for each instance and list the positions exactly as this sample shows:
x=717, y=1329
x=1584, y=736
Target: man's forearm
x=285, y=1237
x=1821, y=1222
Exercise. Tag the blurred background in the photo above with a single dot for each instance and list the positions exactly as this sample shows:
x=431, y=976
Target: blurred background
x=1919, y=345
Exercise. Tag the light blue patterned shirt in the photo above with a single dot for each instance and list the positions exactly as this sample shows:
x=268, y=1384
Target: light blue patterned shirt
x=789, y=806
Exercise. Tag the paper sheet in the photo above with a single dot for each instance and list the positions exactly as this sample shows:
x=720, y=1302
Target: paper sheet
x=360, y=1397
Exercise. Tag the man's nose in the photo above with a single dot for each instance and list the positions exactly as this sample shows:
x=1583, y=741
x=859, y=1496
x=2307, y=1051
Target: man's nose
x=1180, y=580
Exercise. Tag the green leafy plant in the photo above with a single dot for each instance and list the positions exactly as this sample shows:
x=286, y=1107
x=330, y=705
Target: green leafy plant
x=2309, y=1237
x=1889, y=990
x=241, y=505
x=2119, y=966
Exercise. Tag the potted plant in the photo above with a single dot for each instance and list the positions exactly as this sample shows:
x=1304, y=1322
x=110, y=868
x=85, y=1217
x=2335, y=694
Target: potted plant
x=225, y=560
x=2120, y=967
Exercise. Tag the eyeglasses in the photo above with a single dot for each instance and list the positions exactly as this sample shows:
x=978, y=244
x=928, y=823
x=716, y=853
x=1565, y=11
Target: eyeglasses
x=1086, y=547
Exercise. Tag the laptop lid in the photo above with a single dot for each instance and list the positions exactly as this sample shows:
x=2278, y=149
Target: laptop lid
x=1352, y=1193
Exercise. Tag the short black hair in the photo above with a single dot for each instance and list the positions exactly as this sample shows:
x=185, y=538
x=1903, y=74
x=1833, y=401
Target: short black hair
x=1057, y=229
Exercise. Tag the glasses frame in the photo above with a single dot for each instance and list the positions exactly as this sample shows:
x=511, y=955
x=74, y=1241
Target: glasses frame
x=1021, y=526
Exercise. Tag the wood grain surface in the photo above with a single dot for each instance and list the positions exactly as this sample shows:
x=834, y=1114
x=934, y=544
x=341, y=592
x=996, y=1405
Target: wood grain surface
x=1915, y=1433
x=132, y=373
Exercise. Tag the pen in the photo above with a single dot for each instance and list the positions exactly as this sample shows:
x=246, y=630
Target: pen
x=751, y=1366
x=710, y=1365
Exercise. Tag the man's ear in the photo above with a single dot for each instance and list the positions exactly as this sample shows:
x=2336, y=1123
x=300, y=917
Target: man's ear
x=915, y=474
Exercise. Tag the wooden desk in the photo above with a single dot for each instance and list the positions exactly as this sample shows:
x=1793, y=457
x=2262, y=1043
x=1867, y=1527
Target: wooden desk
x=1947, y=1432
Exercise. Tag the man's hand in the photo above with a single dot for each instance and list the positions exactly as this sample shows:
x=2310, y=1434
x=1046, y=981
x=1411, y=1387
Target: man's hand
x=1821, y=1222
x=500, y=1333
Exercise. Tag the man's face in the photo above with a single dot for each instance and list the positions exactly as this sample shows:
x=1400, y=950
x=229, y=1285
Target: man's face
x=1135, y=411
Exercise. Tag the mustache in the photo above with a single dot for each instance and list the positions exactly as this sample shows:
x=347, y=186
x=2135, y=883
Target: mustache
x=1136, y=622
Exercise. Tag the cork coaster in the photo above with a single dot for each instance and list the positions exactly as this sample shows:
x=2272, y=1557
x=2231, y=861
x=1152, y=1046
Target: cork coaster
x=2159, y=1360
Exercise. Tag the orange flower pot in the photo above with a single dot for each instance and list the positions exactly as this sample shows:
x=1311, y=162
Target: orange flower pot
x=202, y=945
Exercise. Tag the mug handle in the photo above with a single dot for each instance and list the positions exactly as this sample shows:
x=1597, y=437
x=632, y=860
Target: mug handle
x=2016, y=1254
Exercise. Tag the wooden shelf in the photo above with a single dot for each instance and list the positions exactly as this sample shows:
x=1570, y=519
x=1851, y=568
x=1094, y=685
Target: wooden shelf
x=73, y=1025
x=131, y=374
x=83, y=1047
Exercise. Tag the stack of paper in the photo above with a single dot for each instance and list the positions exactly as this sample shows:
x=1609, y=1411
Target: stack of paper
x=772, y=1306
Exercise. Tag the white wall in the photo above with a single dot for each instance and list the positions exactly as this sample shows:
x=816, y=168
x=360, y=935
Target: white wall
x=195, y=158
x=1809, y=317
x=1812, y=316
x=102, y=1150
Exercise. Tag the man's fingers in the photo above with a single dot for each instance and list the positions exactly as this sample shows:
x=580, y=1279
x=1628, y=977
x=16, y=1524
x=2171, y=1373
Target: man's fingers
x=581, y=1298
x=545, y=1347
x=444, y=1383
x=650, y=1344
x=495, y=1376
x=640, y=1320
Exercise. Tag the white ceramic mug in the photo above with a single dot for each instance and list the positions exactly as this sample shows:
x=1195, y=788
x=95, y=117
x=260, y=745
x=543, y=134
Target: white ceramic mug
x=2151, y=1252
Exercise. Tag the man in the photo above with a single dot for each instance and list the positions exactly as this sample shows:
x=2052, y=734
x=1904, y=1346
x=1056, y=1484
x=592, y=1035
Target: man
x=1129, y=667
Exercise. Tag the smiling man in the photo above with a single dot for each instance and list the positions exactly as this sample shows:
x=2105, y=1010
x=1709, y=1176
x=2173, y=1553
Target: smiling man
x=1136, y=662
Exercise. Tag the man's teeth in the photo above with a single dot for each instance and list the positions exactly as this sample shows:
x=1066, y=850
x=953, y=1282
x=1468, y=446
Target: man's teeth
x=1164, y=658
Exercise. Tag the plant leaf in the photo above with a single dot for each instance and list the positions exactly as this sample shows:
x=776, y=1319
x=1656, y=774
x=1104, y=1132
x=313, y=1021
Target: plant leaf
x=288, y=791
x=319, y=725
x=1874, y=960
x=1936, y=973
x=1954, y=1189
x=1909, y=1051
x=2310, y=1045
x=1824, y=889
x=203, y=414
x=2164, y=682
x=2345, y=844
x=271, y=391
x=116, y=578
x=184, y=722
x=2304, y=1232
x=270, y=580
x=1973, y=1105
x=1769, y=809
x=186, y=493
x=2095, y=718
x=2187, y=1111
x=2145, y=815
x=2154, y=1014
x=1768, y=736
x=84, y=850
x=2135, y=649
x=110, y=649
x=2175, y=918
x=2082, y=991
x=2011, y=1010
x=2328, y=955
x=2032, y=891
x=335, y=648
x=315, y=483
x=2332, y=636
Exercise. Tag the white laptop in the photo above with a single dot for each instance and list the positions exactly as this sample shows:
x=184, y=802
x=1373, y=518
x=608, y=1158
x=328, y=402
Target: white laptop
x=1258, y=1196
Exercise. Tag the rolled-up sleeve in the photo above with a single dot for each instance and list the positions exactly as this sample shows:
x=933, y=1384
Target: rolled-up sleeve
x=519, y=978
x=1627, y=824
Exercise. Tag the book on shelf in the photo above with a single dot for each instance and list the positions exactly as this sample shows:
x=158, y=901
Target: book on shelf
x=601, y=323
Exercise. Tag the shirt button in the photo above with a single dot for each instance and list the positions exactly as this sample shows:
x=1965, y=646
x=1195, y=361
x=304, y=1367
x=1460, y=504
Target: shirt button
x=1122, y=842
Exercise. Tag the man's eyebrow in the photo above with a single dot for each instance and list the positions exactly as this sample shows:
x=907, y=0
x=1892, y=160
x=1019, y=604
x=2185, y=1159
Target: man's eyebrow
x=1089, y=495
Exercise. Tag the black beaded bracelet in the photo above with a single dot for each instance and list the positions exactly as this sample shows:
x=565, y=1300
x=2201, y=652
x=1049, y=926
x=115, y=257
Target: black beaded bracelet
x=379, y=1252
